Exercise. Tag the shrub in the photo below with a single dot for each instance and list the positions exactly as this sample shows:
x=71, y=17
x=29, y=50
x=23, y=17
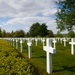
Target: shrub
x=12, y=63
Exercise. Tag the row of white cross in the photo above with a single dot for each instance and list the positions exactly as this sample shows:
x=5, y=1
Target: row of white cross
x=48, y=48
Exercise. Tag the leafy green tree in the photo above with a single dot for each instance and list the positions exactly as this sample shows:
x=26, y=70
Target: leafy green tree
x=19, y=33
x=0, y=32
x=37, y=30
x=43, y=30
x=3, y=33
x=71, y=34
x=34, y=30
x=59, y=34
x=65, y=15
x=8, y=34
x=50, y=33
x=16, y=34
x=12, y=33
x=27, y=34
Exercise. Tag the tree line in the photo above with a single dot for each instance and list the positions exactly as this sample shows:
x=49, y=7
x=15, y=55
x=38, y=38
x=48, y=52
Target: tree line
x=36, y=30
x=17, y=33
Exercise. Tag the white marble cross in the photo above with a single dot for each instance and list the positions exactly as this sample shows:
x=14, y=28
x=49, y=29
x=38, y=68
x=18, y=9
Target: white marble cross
x=64, y=41
x=29, y=43
x=36, y=41
x=58, y=39
x=16, y=43
x=72, y=46
x=61, y=40
x=54, y=41
x=43, y=40
x=49, y=51
x=21, y=47
x=13, y=42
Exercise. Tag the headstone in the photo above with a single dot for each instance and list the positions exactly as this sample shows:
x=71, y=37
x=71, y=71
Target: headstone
x=49, y=51
x=16, y=44
x=54, y=41
x=64, y=41
x=36, y=41
x=72, y=46
x=61, y=40
x=13, y=42
x=43, y=40
x=21, y=47
x=29, y=43
x=58, y=39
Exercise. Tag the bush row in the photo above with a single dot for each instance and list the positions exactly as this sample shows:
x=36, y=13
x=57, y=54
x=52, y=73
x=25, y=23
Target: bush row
x=12, y=63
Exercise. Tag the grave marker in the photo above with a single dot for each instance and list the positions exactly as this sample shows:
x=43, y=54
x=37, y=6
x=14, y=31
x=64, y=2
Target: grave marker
x=64, y=41
x=16, y=43
x=61, y=40
x=21, y=47
x=49, y=51
x=36, y=41
x=13, y=42
x=54, y=41
x=43, y=40
x=29, y=43
x=72, y=46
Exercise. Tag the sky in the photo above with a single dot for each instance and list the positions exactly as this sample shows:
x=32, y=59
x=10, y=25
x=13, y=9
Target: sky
x=21, y=14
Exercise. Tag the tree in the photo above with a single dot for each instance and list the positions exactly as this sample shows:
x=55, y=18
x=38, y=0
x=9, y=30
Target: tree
x=50, y=33
x=43, y=30
x=12, y=33
x=0, y=32
x=37, y=30
x=19, y=33
x=27, y=34
x=71, y=34
x=34, y=30
x=65, y=15
x=3, y=33
x=59, y=34
x=8, y=34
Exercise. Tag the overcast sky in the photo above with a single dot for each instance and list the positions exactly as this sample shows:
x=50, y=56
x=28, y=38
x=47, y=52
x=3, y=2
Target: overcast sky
x=21, y=14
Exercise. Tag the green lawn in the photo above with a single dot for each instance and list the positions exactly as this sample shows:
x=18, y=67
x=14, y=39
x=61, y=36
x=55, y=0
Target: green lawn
x=63, y=62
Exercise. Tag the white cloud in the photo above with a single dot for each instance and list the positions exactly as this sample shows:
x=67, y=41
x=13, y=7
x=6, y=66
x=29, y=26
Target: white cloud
x=26, y=12
x=28, y=7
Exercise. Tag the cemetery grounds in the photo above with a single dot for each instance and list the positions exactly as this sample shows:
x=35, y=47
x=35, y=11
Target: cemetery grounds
x=63, y=63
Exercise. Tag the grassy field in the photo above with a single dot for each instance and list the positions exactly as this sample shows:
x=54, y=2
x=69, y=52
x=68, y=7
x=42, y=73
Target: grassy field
x=63, y=62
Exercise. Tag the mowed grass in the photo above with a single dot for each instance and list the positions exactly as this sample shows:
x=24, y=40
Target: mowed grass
x=63, y=63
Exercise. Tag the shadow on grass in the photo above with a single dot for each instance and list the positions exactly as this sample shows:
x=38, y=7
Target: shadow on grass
x=71, y=69
x=66, y=68
x=39, y=57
